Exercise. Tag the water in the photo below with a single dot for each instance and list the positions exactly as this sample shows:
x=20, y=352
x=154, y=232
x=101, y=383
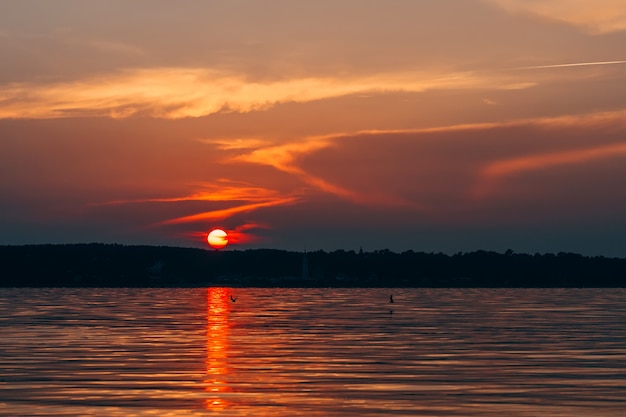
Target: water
x=312, y=352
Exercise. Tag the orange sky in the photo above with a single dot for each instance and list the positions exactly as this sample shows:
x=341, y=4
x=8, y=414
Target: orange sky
x=449, y=125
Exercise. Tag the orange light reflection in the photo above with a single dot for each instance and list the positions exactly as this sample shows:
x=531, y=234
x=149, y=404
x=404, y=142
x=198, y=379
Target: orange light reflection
x=216, y=348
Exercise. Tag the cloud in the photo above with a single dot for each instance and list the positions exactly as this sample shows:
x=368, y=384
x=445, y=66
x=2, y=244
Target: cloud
x=175, y=93
x=559, y=141
x=285, y=158
x=221, y=190
x=245, y=197
x=241, y=198
x=495, y=172
x=222, y=214
x=445, y=169
x=596, y=17
x=389, y=167
x=236, y=144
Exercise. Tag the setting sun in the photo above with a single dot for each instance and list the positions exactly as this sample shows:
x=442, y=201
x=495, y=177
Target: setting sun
x=217, y=239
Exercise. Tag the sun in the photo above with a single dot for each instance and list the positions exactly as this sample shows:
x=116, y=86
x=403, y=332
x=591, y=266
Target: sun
x=217, y=239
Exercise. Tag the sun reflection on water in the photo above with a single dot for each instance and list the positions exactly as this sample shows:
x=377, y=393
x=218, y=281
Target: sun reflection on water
x=216, y=348
x=299, y=352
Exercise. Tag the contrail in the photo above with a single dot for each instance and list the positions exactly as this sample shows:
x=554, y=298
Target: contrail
x=576, y=64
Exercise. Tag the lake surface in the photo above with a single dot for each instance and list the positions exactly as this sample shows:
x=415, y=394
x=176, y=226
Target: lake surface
x=312, y=352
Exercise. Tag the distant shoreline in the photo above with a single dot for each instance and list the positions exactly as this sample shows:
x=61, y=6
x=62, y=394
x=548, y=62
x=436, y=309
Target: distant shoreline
x=112, y=265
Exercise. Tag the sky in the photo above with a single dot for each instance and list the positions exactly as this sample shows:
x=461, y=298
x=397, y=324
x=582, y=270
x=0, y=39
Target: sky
x=427, y=125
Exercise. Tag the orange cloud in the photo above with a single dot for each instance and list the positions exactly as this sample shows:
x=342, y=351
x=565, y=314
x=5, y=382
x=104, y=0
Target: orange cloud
x=219, y=215
x=236, y=144
x=495, y=172
x=597, y=17
x=223, y=190
x=252, y=198
x=284, y=158
x=175, y=93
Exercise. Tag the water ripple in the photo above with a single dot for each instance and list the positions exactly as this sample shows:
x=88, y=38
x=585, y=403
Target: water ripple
x=313, y=352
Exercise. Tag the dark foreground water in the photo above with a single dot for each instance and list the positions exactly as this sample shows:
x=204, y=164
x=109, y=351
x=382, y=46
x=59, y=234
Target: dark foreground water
x=312, y=352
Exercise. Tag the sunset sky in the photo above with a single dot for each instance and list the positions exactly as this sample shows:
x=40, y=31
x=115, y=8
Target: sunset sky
x=426, y=125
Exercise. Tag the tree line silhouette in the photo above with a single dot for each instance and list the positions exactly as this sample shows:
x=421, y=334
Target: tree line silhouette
x=112, y=265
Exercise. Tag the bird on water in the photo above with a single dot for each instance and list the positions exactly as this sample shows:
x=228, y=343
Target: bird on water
x=233, y=299
x=391, y=298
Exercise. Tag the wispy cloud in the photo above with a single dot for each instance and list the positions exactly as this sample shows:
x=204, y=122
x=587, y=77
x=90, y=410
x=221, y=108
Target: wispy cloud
x=491, y=168
x=285, y=158
x=174, y=93
x=221, y=190
x=598, y=16
x=240, y=197
x=495, y=172
x=443, y=183
x=236, y=144
x=222, y=214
